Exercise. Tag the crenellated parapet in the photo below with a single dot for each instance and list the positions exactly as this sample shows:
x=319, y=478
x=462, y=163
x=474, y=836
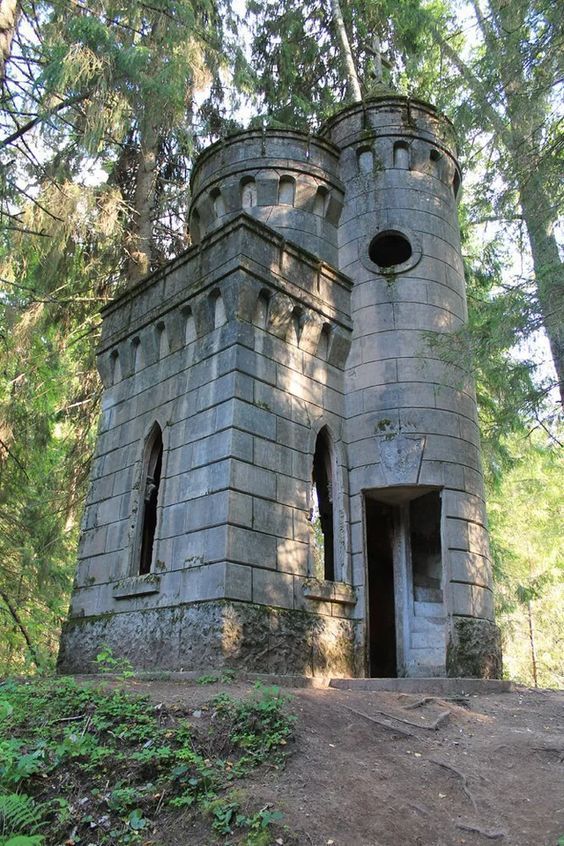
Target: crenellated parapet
x=286, y=179
x=388, y=134
x=304, y=303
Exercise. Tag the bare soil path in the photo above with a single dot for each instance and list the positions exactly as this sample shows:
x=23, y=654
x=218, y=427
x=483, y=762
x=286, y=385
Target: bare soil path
x=395, y=769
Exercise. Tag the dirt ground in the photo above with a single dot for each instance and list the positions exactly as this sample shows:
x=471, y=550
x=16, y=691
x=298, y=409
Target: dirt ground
x=395, y=769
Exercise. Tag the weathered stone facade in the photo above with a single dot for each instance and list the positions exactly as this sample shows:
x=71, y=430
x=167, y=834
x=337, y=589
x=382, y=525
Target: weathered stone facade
x=300, y=336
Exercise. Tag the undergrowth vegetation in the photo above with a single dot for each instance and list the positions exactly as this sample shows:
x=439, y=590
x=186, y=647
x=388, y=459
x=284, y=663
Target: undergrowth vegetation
x=85, y=764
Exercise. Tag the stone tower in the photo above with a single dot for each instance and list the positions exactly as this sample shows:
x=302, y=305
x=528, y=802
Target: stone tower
x=287, y=475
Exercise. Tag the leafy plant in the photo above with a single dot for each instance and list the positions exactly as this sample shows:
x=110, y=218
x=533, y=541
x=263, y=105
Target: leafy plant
x=108, y=663
x=127, y=759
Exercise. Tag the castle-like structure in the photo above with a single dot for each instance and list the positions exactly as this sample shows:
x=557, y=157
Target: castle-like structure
x=287, y=476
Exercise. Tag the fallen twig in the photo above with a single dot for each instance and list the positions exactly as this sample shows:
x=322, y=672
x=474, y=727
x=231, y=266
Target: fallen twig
x=161, y=800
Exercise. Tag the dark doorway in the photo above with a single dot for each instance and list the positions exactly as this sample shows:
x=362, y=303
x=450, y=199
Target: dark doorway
x=381, y=523
x=425, y=543
x=150, y=500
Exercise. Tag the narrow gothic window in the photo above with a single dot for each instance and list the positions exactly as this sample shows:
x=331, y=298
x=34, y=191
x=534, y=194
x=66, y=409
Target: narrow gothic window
x=152, y=474
x=322, y=507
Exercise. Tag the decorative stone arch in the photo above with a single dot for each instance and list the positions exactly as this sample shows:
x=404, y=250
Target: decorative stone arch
x=162, y=340
x=324, y=341
x=286, y=191
x=321, y=201
x=365, y=158
x=296, y=325
x=262, y=308
x=217, y=309
x=218, y=203
x=195, y=228
x=115, y=368
x=326, y=450
x=401, y=155
x=189, y=325
x=145, y=513
x=248, y=189
x=137, y=355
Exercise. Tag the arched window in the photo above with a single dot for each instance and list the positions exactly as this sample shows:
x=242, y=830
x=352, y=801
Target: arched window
x=322, y=507
x=148, y=511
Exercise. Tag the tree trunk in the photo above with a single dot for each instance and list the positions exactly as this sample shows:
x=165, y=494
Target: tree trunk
x=549, y=270
x=351, y=76
x=532, y=643
x=517, y=131
x=9, y=14
x=140, y=238
x=527, y=111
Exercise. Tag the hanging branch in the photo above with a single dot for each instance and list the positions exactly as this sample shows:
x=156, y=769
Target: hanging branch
x=71, y=101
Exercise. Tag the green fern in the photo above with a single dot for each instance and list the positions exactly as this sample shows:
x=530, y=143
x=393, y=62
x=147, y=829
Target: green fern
x=20, y=818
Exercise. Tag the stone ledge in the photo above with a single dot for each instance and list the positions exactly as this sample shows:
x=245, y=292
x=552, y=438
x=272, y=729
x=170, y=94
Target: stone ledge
x=330, y=592
x=136, y=586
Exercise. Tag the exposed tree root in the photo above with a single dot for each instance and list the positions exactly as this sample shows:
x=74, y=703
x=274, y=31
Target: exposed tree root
x=461, y=776
x=490, y=835
x=419, y=703
x=378, y=722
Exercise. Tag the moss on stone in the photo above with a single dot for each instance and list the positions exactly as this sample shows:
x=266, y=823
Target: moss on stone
x=474, y=650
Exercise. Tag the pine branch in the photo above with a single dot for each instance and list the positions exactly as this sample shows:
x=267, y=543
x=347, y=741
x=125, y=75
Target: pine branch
x=71, y=101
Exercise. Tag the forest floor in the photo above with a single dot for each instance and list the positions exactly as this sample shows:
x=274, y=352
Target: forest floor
x=394, y=769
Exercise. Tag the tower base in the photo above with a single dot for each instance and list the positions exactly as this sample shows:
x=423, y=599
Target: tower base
x=238, y=635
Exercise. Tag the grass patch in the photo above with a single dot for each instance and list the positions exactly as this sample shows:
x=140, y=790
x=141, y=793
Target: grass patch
x=81, y=764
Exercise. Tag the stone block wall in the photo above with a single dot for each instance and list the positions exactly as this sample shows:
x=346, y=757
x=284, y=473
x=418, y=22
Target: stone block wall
x=240, y=368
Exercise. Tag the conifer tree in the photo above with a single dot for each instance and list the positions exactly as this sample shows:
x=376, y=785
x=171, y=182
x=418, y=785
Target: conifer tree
x=103, y=107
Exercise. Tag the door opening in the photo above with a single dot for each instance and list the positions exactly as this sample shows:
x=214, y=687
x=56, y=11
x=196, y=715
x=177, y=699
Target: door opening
x=381, y=522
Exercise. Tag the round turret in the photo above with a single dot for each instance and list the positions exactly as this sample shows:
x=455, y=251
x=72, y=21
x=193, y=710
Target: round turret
x=413, y=443
x=284, y=178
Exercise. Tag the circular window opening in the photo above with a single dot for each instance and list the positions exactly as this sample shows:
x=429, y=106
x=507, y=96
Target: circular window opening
x=389, y=248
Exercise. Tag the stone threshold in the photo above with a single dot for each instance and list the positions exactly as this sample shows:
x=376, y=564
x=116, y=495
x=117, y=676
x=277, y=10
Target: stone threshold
x=434, y=686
